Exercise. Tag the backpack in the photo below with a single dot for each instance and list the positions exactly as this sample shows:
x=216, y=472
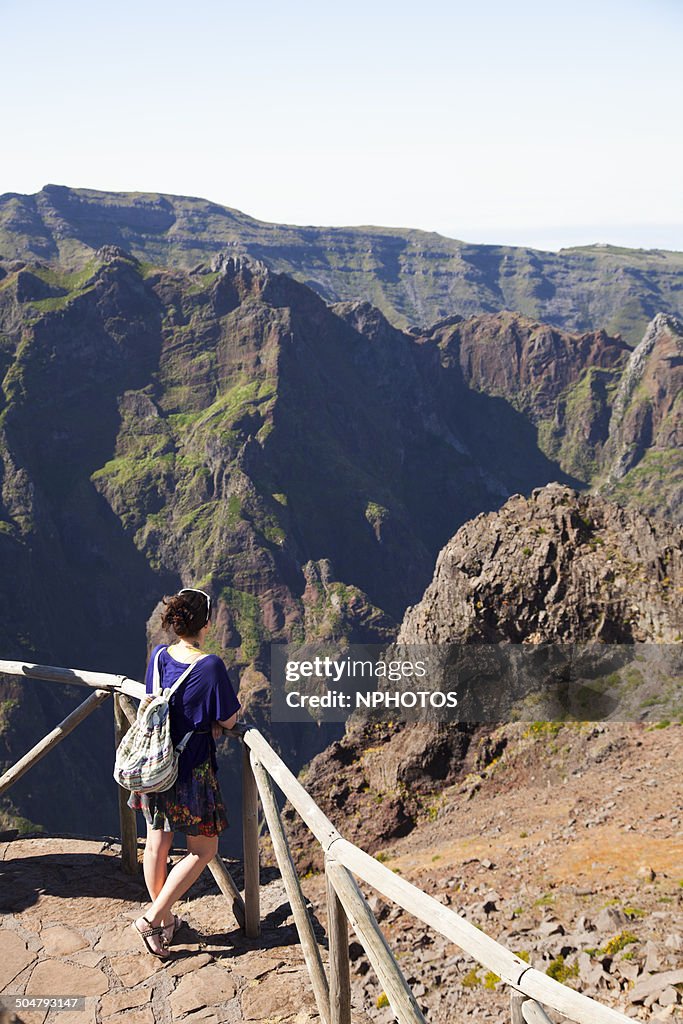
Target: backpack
x=146, y=760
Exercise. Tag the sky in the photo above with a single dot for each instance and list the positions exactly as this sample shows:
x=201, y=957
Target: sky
x=535, y=123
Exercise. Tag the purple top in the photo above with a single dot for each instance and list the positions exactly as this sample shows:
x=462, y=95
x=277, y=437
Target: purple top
x=205, y=696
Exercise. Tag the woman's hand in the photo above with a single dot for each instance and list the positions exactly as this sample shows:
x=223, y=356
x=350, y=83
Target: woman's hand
x=145, y=702
x=216, y=730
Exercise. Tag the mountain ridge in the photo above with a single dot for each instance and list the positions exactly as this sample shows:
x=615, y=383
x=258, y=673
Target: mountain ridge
x=414, y=276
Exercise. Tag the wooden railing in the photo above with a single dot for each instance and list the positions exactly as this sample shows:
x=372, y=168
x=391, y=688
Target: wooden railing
x=530, y=989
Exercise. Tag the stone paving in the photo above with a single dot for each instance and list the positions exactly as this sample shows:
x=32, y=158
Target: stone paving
x=65, y=914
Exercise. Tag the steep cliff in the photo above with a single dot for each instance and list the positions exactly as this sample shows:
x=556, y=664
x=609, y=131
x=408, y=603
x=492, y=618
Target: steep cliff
x=610, y=416
x=642, y=461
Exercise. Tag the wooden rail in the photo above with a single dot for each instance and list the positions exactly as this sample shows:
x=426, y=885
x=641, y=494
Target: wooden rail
x=530, y=989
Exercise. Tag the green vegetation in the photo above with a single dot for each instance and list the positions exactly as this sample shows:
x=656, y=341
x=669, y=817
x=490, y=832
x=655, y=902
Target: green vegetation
x=72, y=285
x=382, y=1000
x=10, y=818
x=126, y=468
x=240, y=398
x=545, y=901
x=182, y=422
x=247, y=612
x=199, y=517
x=375, y=513
x=472, y=979
x=560, y=971
x=147, y=269
x=234, y=509
x=203, y=283
x=432, y=811
x=585, y=402
x=6, y=708
x=543, y=729
x=652, y=484
x=617, y=943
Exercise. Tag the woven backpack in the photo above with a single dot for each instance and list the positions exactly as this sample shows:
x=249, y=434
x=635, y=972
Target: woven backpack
x=146, y=760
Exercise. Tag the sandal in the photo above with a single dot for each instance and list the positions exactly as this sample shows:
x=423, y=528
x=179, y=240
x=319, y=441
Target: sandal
x=178, y=922
x=152, y=930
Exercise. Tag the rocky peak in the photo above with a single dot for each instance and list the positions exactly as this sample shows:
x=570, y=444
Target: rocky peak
x=230, y=264
x=647, y=407
x=559, y=565
x=365, y=318
x=112, y=253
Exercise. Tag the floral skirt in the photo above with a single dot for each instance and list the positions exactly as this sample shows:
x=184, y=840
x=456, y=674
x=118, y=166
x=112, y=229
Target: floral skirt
x=194, y=807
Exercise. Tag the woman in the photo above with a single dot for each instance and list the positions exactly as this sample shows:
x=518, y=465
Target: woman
x=204, y=702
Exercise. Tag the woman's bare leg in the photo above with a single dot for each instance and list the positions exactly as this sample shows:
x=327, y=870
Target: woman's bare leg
x=200, y=850
x=154, y=862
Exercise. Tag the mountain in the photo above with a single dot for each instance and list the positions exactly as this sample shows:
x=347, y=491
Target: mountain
x=228, y=428
x=414, y=277
x=219, y=428
x=642, y=461
x=557, y=567
x=562, y=567
x=608, y=415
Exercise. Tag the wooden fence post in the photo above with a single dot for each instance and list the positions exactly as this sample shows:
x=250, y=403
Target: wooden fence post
x=516, y=1000
x=340, y=975
x=396, y=988
x=295, y=896
x=226, y=884
x=127, y=823
x=250, y=844
x=533, y=1013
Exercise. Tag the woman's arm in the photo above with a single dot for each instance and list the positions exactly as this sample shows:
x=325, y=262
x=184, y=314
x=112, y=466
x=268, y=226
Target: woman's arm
x=224, y=701
x=217, y=727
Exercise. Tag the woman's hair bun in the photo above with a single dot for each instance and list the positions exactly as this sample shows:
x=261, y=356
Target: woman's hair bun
x=185, y=614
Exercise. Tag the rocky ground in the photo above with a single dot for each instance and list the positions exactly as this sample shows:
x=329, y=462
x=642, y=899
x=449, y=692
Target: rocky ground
x=568, y=849
x=67, y=909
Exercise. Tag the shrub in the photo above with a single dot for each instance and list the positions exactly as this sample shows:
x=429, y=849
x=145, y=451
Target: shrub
x=560, y=971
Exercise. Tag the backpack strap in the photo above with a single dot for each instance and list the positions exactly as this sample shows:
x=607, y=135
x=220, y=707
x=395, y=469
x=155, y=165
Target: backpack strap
x=181, y=746
x=183, y=743
x=183, y=676
x=156, y=683
x=158, y=690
